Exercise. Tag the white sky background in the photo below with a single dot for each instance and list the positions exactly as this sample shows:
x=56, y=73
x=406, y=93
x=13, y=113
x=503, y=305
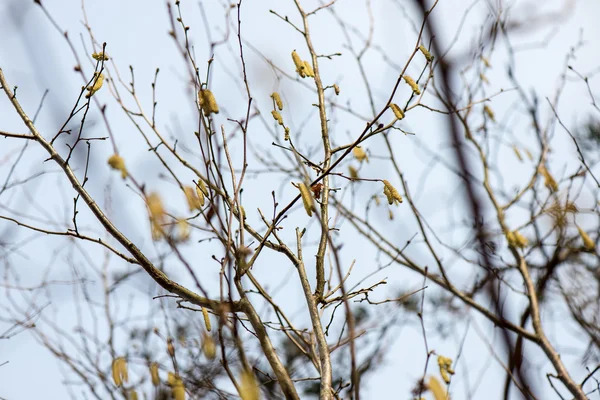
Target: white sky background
x=35, y=57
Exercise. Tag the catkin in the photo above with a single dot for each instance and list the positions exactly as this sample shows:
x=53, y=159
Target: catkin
x=249, y=389
x=426, y=53
x=206, y=318
x=397, y=111
x=588, y=243
x=277, y=99
x=277, y=117
x=436, y=388
x=308, y=69
x=154, y=374
x=119, y=371
x=413, y=85
x=299, y=64
x=117, y=162
x=360, y=154
x=192, y=198
x=96, y=84
x=391, y=193
x=208, y=347
x=489, y=112
x=207, y=101
x=307, y=198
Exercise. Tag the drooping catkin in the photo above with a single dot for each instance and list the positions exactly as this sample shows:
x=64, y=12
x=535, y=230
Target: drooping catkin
x=353, y=172
x=436, y=388
x=209, y=347
x=397, y=111
x=177, y=387
x=119, y=371
x=426, y=53
x=549, y=180
x=360, y=154
x=413, y=85
x=249, y=389
x=446, y=370
x=516, y=239
x=96, y=84
x=308, y=69
x=117, y=162
x=299, y=64
x=307, y=198
x=277, y=99
x=207, y=101
x=391, y=193
x=206, y=318
x=154, y=374
x=192, y=198
x=588, y=243
x=277, y=117
x=488, y=111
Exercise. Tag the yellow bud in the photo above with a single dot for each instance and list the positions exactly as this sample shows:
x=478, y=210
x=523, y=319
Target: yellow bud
x=413, y=85
x=170, y=347
x=99, y=56
x=446, y=370
x=207, y=101
x=397, y=111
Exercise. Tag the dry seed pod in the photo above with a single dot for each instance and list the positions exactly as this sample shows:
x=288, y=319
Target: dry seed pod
x=208, y=346
x=413, y=85
x=277, y=99
x=489, y=112
x=549, y=180
x=299, y=64
x=308, y=69
x=249, y=389
x=353, y=172
x=397, y=111
x=192, y=198
x=154, y=374
x=360, y=154
x=517, y=153
x=170, y=347
x=391, y=193
x=436, y=388
x=119, y=371
x=118, y=163
x=277, y=117
x=336, y=89
x=207, y=101
x=426, y=53
x=206, y=318
x=486, y=62
x=307, y=199
x=588, y=243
